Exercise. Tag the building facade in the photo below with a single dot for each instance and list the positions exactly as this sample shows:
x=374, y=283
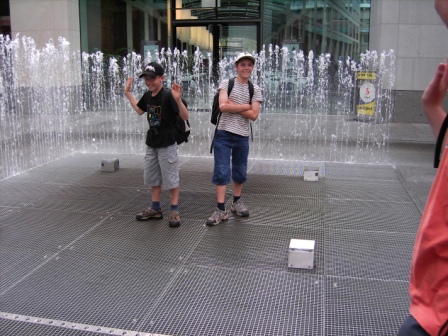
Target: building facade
x=343, y=28
x=225, y=28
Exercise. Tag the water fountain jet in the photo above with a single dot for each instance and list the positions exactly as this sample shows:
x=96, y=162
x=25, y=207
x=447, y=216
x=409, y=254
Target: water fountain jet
x=56, y=101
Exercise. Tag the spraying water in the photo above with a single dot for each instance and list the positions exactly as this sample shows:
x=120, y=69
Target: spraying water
x=55, y=101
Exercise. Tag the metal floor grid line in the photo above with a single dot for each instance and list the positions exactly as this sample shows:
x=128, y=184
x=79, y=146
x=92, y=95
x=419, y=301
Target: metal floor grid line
x=74, y=261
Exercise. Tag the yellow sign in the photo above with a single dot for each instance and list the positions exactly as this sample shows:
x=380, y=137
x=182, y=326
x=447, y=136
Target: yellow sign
x=366, y=109
x=366, y=75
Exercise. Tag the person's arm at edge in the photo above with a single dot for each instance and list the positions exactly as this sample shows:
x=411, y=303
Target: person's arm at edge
x=433, y=96
x=176, y=91
x=128, y=94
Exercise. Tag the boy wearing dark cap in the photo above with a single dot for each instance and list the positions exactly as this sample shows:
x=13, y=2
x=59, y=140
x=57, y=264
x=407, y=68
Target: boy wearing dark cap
x=231, y=141
x=161, y=161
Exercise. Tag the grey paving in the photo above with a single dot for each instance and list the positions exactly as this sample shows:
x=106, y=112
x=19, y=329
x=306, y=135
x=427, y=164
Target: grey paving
x=74, y=261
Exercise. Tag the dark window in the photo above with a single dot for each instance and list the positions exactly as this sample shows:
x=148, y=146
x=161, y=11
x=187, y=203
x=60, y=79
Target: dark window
x=5, y=19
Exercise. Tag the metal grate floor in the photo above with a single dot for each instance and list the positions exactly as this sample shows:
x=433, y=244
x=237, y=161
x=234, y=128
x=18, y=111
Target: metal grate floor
x=74, y=261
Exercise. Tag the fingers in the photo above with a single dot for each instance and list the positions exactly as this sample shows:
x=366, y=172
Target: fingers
x=128, y=84
x=445, y=74
x=438, y=75
x=436, y=90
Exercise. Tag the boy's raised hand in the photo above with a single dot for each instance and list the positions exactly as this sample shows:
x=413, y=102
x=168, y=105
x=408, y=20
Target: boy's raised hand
x=433, y=96
x=127, y=87
x=176, y=90
x=437, y=88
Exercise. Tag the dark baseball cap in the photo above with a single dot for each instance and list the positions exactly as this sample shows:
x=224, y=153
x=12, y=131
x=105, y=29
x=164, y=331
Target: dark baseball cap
x=152, y=70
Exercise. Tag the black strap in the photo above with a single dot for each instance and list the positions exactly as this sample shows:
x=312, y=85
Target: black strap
x=251, y=94
x=444, y=330
x=165, y=93
x=439, y=143
x=230, y=86
x=229, y=89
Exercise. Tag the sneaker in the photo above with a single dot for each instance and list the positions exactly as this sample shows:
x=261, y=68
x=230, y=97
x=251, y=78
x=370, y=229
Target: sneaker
x=217, y=217
x=174, y=219
x=148, y=214
x=240, y=209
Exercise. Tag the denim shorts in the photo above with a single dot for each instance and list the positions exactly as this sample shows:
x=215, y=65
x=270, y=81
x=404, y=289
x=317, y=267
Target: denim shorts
x=228, y=146
x=161, y=167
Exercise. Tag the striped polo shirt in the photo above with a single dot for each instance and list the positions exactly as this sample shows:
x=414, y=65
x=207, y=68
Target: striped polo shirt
x=234, y=122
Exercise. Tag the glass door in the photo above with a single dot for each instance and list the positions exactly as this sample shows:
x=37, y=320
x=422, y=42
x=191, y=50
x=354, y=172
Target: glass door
x=234, y=39
x=205, y=46
x=220, y=40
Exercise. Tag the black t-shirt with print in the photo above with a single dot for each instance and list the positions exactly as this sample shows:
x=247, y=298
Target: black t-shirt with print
x=161, y=112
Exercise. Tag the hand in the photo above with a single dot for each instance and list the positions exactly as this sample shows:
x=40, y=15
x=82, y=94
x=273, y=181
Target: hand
x=127, y=87
x=176, y=90
x=441, y=7
x=436, y=90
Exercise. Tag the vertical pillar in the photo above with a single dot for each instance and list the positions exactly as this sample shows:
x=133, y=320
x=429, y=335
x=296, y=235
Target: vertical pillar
x=45, y=20
x=129, y=38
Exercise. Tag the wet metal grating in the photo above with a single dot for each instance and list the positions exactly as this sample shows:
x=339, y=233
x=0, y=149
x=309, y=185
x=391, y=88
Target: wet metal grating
x=72, y=253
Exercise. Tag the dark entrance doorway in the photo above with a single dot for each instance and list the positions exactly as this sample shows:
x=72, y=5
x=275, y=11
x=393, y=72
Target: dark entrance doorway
x=217, y=40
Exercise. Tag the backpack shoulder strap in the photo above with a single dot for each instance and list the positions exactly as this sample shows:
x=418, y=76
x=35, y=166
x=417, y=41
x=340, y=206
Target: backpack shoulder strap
x=251, y=95
x=439, y=143
x=251, y=91
x=165, y=96
x=231, y=82
x=165, y=92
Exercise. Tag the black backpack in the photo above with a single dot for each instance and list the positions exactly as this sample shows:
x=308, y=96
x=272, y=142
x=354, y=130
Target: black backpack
x=216, y=112
x=181, y=127
x=182, y=130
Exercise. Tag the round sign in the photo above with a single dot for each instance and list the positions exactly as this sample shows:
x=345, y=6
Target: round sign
x=367, y=92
